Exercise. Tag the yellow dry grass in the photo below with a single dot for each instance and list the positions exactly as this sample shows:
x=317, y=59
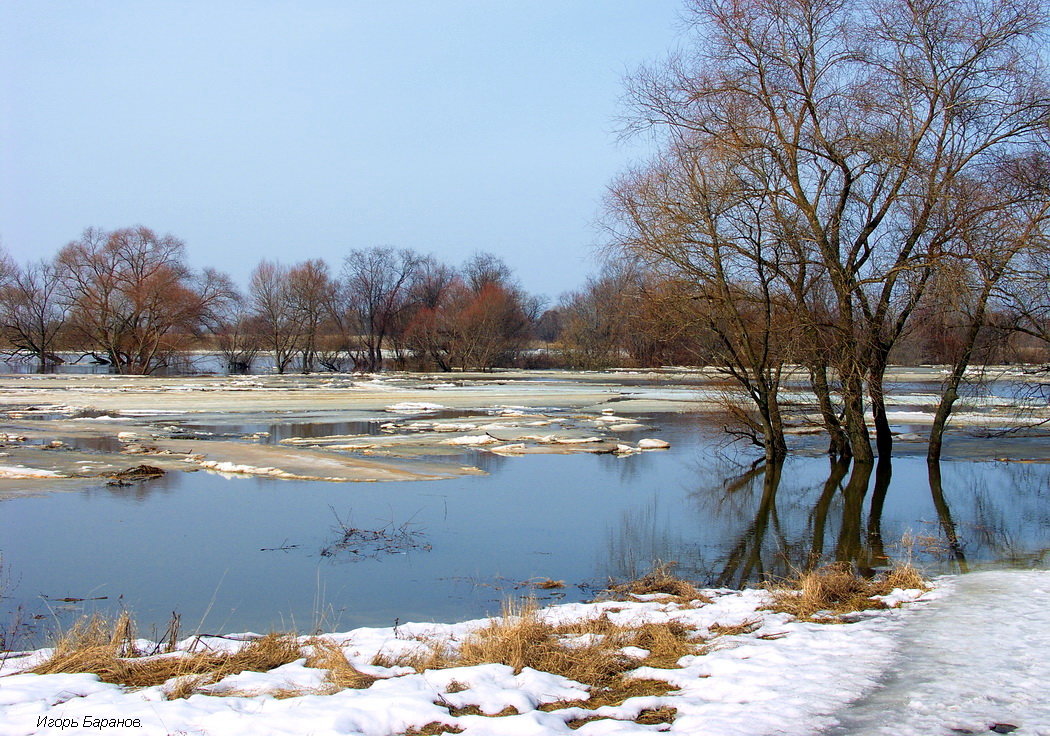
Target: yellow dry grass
x=547, y=584
x=327, y=655
x=88, y=648
x=107, y=649
x=660, y=580
x=473, y=710
x=653, y=716
x=838, y=589
x=434, y=728
x=587, y=651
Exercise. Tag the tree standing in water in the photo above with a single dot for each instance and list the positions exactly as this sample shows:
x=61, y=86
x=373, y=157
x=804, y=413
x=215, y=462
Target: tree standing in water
x=845, y=133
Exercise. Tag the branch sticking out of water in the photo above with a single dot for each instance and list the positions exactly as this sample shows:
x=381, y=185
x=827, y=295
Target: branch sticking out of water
x=357, y=543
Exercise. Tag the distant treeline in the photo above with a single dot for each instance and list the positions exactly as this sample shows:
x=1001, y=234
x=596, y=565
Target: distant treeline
x=129, y=298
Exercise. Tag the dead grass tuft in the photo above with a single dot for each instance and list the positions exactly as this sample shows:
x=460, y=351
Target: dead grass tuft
x=434, y=728
x=838, y=589
x=587, y=651
x=107, y=650
x=614, y=693
x=744, y=627
x=547, y=584
x=186, y=686
x=660, y=580
x=653, y=716
x=520, y=639
x=327, y=655
x=667, y=643
x=576, y=723
x=473, y=710
x=905, y=577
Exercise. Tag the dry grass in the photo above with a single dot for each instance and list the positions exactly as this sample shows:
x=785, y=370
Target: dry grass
x=649, y=716
x=107, y=650
x=473, y=710
x=586, y=651
x=615, y=693
x=837, y=589
x=547, y=584
x=660, y=580
x=653, y=716
x=744, y=627
x=434, y=728
x=341, y=674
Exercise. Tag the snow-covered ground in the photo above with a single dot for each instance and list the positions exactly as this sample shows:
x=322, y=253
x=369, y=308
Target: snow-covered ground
x=969, y=655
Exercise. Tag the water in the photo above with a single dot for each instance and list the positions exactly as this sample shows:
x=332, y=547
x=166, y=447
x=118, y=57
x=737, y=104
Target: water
x=246, y=553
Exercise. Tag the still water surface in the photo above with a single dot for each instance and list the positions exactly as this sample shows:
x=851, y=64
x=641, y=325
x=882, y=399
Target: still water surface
x=255, y=553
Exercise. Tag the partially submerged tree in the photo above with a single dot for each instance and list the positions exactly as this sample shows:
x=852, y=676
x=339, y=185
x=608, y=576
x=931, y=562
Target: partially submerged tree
x=845, y=133
x=269, y=294
x=311, y=295
x=377, y=283
x=487, y=318
x=33, y=313
x=133, y=297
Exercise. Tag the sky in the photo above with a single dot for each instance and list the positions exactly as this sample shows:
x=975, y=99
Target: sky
x=291, y=130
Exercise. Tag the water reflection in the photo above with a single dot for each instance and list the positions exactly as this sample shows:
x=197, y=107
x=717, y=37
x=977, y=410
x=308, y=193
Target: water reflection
x=776, y=520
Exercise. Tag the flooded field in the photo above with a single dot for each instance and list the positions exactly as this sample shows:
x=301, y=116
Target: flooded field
x=495, y=488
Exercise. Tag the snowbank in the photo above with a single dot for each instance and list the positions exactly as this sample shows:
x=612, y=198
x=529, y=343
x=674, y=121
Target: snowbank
x=781, y=676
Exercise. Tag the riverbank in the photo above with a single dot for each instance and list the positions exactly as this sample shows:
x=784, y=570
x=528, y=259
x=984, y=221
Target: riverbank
x=748, y=670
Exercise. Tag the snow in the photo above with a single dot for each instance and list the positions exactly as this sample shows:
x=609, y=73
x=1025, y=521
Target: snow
x=20, y=472
x=472, y=440
x=973, y=659
x=414, y=407
x=898, y=671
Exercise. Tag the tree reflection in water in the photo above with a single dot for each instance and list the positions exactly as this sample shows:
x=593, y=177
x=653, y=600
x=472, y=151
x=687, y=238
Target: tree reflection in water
x=770, y=520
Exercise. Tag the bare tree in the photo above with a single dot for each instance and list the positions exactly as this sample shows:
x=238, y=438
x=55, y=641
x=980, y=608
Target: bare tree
x=419, y=334
x=34, y=313
x=133, y=297
x=847, y=128
x=487, y=321
x=271, y=302
x=1003, y=219
x=377, y=283
x=311, y=295
x=238, y=335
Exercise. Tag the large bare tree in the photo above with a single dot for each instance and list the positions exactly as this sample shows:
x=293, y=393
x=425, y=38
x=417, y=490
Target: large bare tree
x=847, y=128
x=133, y=298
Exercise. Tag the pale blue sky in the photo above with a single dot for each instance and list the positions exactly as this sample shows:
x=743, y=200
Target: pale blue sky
x=292, y=130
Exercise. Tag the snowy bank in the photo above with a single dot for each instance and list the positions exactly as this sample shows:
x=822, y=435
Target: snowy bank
x=752, y=671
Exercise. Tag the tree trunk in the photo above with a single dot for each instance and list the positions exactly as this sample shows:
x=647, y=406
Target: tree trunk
x=951, y=387
x=839, y=445
x=877, y=394
x=856, y=426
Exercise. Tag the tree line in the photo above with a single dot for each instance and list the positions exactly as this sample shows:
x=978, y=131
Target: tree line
x=127, y=298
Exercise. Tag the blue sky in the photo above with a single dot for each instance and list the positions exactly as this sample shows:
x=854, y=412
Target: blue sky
x=293, y=130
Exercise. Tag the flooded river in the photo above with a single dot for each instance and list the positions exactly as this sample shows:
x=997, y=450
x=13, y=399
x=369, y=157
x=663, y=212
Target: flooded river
x=252, y=553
